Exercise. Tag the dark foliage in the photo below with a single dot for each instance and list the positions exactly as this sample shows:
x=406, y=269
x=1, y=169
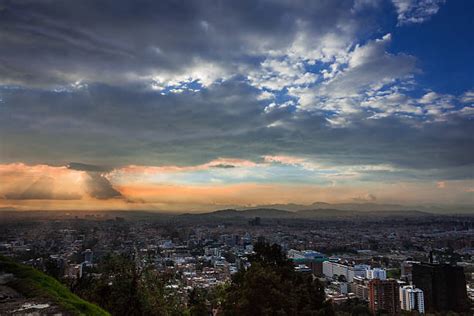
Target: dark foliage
x=272, y=287
x=123, y=288
x=353, y=307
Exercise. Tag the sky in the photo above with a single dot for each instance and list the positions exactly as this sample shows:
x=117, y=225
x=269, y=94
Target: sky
x=200, y=105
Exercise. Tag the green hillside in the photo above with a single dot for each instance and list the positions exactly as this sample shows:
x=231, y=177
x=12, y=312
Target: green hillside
x=33, y=283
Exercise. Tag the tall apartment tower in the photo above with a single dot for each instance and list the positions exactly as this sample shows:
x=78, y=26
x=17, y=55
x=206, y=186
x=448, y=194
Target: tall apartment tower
x=406, y=270
x=443, y=285
x=384, y=296
x=412, y=299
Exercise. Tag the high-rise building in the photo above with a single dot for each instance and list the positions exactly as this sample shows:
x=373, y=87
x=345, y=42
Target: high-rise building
x=406, y=270
x=384, y=296
x=376, y=273
x=411, y=299
x=443, y=285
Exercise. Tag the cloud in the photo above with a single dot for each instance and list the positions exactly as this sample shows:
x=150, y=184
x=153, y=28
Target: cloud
x=219, y=163
x=85, y=167
x=248, y=91
x=366, y=198
x=42, y=189
x=151, y=187
x=226, y=120
x=468, y=97
x=97, y=184
x=39, y=182
x=99, y=187
x=416, y=11
x=162, y=43
x=42, y=182
x=369, y=65
x=366, y=70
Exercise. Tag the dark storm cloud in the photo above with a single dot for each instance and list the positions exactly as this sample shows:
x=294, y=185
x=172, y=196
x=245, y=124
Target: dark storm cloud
x=226, y=120
x=59, y=42
x=97, y=185
x=113, y=118
x=223, y=166
x=85, y=167
x=100, y=188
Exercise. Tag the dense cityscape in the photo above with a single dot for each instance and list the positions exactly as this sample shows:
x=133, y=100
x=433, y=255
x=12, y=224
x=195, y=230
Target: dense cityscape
x=388, y=264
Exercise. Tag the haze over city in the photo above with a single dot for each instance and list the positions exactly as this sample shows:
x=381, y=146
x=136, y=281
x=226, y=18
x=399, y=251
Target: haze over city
x=193, y=106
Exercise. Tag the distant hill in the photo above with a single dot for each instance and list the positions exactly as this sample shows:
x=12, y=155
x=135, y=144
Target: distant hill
x=302, y=214
x=369, y=207
x=359, y=214
x=233, y=213
x=260, y=212
x=26, y=291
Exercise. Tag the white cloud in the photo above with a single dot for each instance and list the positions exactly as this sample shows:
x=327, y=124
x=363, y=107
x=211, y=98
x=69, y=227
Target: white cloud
x=394, y=102
x=265, y=95
x=369, y=64
x=416, y=11
x=467, y=97
x=360, y=5
x=323, y=47
x=203, y=73
x=275, y=106
x=349, y=85
x=467, y=111
x=436, y=104
x=367, y=53
x=429, y=98
x=280, y=73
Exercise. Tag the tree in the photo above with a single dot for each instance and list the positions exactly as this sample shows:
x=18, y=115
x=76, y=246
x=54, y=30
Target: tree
x=342, y=278
x=197, y=303
x=361, y=310
x=117, y=289
x=124, y=288
x=53, y=268
x=271, y=287
x=353, y=307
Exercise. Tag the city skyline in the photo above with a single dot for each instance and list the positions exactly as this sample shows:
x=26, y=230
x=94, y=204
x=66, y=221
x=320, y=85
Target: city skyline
x=199, y=106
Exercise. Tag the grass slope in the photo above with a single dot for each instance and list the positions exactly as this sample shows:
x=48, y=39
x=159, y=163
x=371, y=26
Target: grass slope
x=33, y=283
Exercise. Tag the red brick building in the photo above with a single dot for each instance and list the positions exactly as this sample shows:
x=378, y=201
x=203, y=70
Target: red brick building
x=384, y=296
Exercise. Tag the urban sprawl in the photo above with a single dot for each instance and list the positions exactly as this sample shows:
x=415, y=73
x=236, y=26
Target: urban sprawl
x=392, y=263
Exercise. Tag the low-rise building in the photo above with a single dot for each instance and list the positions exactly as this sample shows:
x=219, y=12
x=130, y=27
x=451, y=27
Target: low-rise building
x=376, y=273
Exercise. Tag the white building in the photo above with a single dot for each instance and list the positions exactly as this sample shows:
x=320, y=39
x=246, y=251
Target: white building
x=411, y=299
x=376, y=273
x=349, y=272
